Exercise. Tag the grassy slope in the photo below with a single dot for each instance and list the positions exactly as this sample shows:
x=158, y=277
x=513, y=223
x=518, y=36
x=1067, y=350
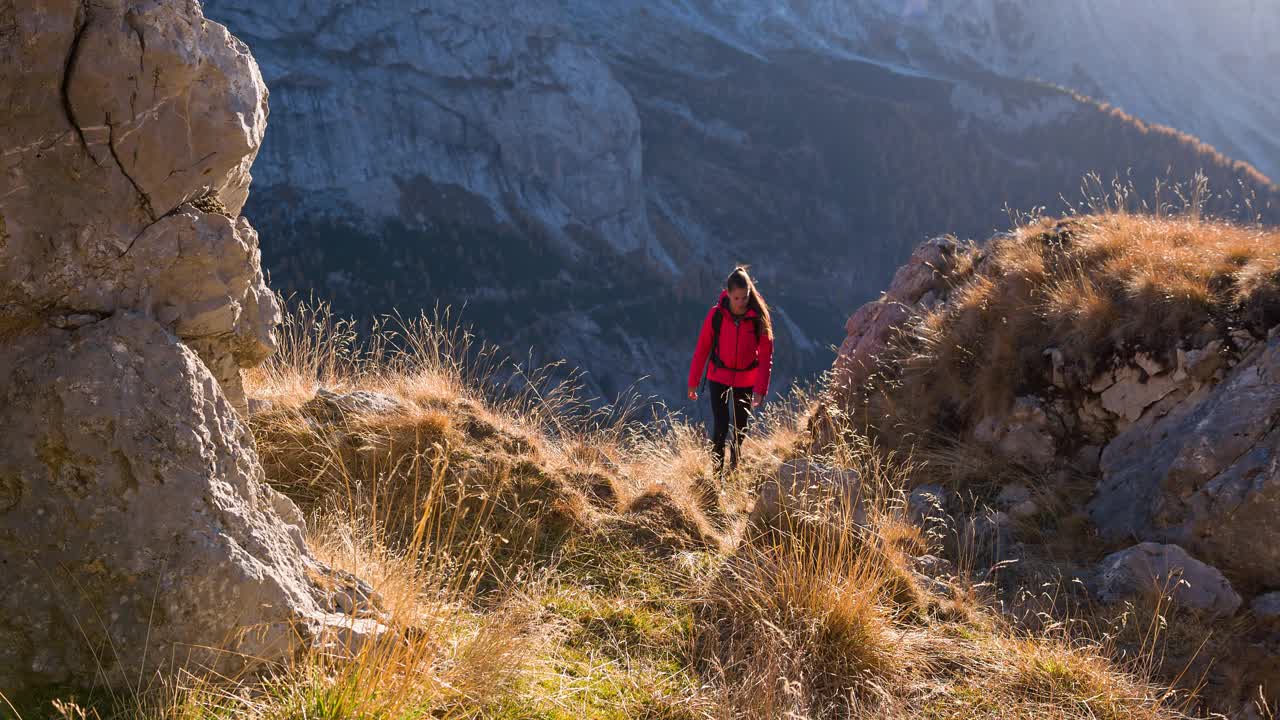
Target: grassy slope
x=543, y=563
x=539, y=561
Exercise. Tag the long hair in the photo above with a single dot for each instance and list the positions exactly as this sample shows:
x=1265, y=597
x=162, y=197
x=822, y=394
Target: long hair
x=740, y=279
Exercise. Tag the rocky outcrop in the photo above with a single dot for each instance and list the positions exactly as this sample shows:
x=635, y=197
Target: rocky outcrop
x=1182, y=438
x=136, y=526
x=1204, y=472
x=920, y=284
x=125, y=163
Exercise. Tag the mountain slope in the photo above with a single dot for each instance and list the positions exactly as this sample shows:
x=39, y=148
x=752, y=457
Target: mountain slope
x=582, y=176
x=1202, y=66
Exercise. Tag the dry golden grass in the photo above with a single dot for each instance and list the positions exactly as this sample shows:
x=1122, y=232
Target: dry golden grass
x=1093, y=286
x=799, y=630
x=834, y=622
x=820, y=628
x=540, y=560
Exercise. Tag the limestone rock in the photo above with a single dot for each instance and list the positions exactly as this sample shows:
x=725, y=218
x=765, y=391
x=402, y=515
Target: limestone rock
x=121, y=115
x=1149, y=364
x=1103, y=381
x=1128, y=395
x=1205, y=475
x=1150, y=569
x=1266, y=608
x=1199, y=364
x=135, y=513
x=494, y=105
x=330, y=406
x=868, y=333
x=933, y=566
x=1022, y=435
x=803, y=490
x=925, y=271
x=136, y=527
x=1094, y=420
x=872, y=326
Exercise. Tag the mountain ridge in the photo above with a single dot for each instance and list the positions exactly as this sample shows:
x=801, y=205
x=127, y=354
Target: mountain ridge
x=555, y=166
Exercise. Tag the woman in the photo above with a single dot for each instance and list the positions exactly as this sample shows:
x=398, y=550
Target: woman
x=737, y=341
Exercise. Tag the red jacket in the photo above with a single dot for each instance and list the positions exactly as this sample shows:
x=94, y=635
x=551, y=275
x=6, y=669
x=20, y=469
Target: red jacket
x=738, y=347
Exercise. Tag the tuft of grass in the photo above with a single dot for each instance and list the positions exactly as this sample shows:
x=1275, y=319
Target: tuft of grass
x=799, y=628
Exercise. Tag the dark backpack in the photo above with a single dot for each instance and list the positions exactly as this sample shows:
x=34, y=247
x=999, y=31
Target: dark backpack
x=716, y=321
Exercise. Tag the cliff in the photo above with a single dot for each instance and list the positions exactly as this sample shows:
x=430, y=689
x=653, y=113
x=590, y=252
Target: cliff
x=559, y=169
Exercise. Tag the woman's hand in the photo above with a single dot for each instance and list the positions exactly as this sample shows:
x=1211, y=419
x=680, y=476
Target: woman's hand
x=693, y=394
x=757, y=400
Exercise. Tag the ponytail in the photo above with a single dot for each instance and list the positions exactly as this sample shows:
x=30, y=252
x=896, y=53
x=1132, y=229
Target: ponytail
x=740, y=279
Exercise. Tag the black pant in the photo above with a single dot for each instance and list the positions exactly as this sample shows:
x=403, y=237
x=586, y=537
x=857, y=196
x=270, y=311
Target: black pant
x=721, y=397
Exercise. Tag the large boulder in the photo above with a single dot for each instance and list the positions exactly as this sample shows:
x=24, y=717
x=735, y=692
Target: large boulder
x=1206, y=474
x=134, y=516
x=128, y=135
x=1150, y=570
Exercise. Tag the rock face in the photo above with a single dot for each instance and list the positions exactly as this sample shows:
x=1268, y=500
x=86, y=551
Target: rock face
x=1149, y=570
x=136, y=527
x=490, y=104
x=135, y=515
x=160, y=114
x=919, y=284
x=1204, y=473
